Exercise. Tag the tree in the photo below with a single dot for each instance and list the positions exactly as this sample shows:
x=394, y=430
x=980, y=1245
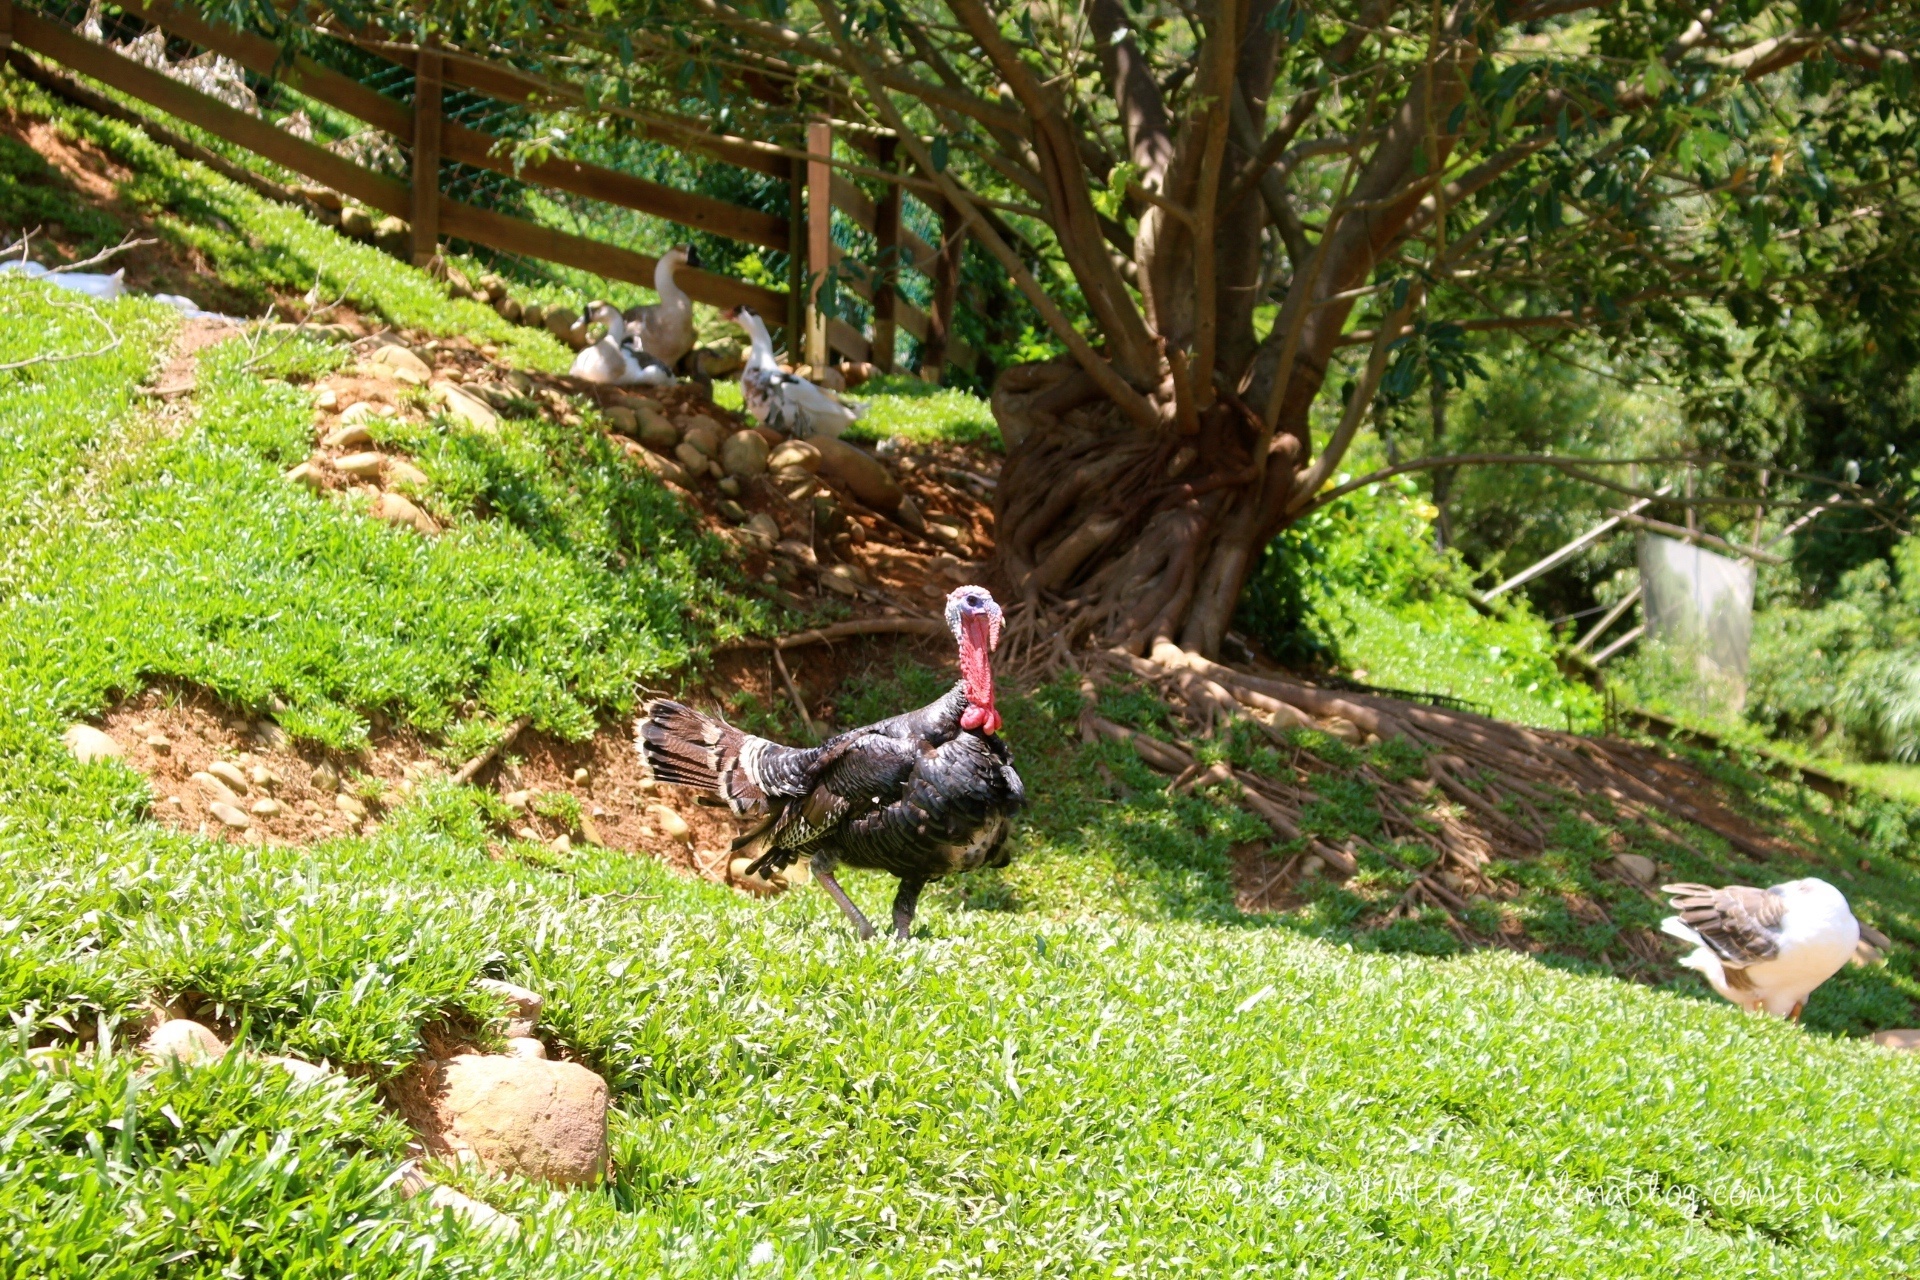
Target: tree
x=1230, y=211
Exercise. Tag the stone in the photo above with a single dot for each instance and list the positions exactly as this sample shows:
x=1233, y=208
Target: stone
x=794, y=453
x=1637, y=867
x=581, y=777
x=350, y=805
x=525, y=1116
x=349, y=435
x=862, y=473
x=690, y=458
x=621, y=419
x=525, y=1003
x=357, y=221
x=560, y=321
x=757, y=884
x=299, y=1068
x=518, y=799
x=721, y=360
x=908, y=514
x=364, y=412
x=324, y=778
x=730, y=486
x=361, y=466
x=1344, y=729
x=526, y=1047
x=1906, y=1039
x=534, y=315
x=213, y=788
x=840, y=578
x=667, y=469
x=765, y=527
x=261, y=776
x=230, y=815
x=704, y=434
x=306, y=474
x=744, y=455
x=159, y=743
x=798, y=874
x=732, y=510
x=562, y=843
x=392, y=234
x=464, y=407
x=656, y=428
x=400, y=471
x=266, y=807
x=406, y=366
x=394, y=509
x=88, y=744
x=326, y=400
x=230, y=774
x=797, y=551
x=668, y=823
x=475, y=1213
x=509, y=309
x=185, y=1041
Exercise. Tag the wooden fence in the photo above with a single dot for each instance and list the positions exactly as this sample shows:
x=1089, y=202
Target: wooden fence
x=815, y=183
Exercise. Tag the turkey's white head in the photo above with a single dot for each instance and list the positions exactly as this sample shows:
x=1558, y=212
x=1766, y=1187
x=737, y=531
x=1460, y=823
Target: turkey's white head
x=974, y=619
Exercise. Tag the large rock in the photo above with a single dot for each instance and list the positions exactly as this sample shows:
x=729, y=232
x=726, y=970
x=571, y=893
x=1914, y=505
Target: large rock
x=1637, y=867
x=864, y=475
x=463, y=407
x=89, y=744
x=704, y=434
x=187, y=1041
x=361, y=466
x=394, y=509
x=794, y=453
x=744, y=455
x=402, y=364
x=544, y=1120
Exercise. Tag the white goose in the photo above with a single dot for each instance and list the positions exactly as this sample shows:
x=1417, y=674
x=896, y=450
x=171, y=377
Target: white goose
x=611, y=363
x=664, y=329
x=785, y=401
x=1764, y=948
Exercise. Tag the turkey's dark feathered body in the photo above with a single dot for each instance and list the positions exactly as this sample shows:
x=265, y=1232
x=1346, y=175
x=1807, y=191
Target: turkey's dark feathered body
x=916, y=795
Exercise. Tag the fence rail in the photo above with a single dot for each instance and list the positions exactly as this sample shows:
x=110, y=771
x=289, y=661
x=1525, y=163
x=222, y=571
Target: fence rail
x=816, y=186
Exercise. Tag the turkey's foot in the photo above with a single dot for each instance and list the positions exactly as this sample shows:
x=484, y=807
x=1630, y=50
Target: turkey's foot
x=823, y=872
x=904, y=903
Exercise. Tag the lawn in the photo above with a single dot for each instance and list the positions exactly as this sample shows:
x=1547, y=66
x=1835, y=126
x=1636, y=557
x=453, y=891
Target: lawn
x=1091, y=1064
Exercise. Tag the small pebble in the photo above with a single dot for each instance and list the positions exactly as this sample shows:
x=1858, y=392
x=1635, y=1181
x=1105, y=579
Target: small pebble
x=229, y=815
x=562, y=843
x=325, y=778
x=350, y=806
x=159, y=743
x=265, y=807
x=580, y=777
x=518, y=799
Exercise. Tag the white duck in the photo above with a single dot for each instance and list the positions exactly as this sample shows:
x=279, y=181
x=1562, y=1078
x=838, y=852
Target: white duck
x=1764, y=948
x=664, y=329
x=610, y=362
x=785, y=401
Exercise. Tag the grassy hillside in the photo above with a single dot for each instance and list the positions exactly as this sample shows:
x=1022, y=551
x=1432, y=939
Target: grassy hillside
x=1095, y=1063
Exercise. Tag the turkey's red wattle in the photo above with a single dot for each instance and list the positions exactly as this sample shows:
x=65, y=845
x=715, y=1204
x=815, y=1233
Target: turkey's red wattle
x=976, y=669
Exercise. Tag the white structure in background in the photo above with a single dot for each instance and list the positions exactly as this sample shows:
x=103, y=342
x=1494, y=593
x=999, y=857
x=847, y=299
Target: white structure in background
x=1699, y=604
x=217, y=77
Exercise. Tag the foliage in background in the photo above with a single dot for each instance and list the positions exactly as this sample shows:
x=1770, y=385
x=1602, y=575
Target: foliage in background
x=1359, y=586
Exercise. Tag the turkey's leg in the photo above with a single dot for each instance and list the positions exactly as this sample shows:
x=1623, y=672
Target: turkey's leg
x=904, y=903
x=823, y=872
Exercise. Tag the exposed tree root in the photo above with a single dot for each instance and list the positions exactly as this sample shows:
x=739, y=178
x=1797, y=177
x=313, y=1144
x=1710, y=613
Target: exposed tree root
x=1484, y=790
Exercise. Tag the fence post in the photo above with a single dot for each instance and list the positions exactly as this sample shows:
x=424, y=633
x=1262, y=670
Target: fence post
x=426, y=156
x=796, y=259
x=6, y=25
x=886, y=232
x=946, y=288
x=819, y=234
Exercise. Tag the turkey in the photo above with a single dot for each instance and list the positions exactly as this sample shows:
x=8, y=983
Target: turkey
x=1764, y=948
x=611, y=362
x=781, y=400
x=919, y=796
x=664, y=329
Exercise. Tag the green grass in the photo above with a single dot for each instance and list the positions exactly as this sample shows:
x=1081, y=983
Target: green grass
x=1088, y=1064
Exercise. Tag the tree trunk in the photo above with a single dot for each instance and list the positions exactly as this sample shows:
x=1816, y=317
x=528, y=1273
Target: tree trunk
x=1120, y=536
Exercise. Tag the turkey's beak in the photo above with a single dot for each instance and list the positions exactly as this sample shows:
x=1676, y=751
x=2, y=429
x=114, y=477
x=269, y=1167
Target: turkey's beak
x=976, y=669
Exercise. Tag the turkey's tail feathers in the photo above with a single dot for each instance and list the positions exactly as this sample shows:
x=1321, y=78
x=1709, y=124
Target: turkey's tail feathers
x=679, y=745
